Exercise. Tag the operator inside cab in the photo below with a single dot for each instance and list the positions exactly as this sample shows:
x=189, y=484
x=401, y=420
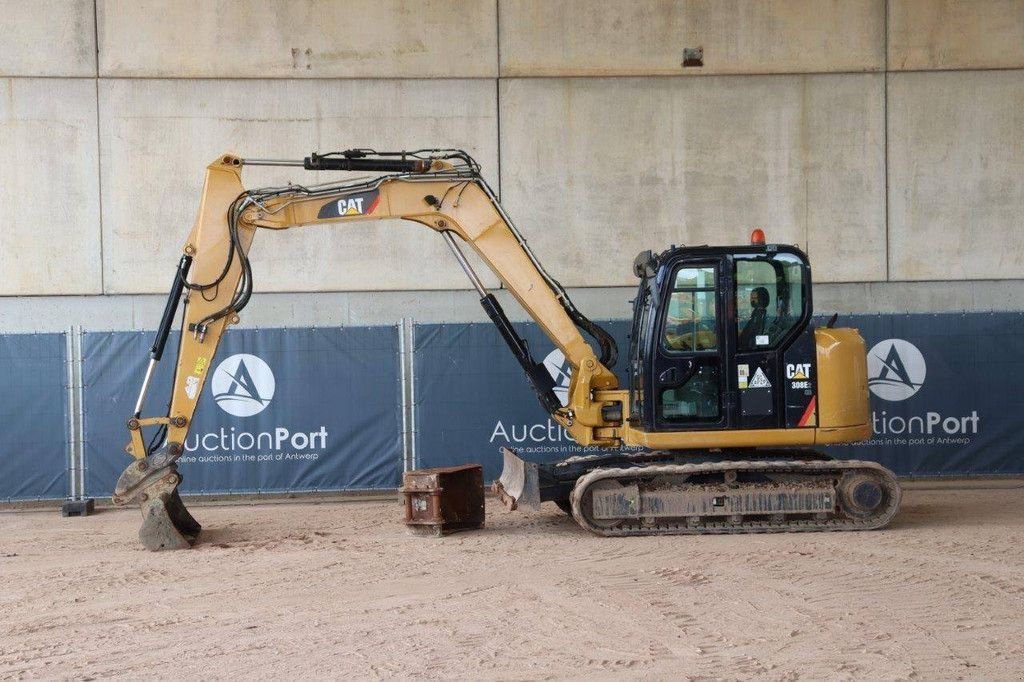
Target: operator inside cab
x=755, y=326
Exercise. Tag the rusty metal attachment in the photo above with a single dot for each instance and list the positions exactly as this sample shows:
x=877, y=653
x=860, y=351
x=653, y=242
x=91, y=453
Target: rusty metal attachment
x=444, y=500
x=153, y=483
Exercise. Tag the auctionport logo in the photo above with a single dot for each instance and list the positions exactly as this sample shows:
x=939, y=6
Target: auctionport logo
x=896, y=369
x=243, y=385
x=561, y=371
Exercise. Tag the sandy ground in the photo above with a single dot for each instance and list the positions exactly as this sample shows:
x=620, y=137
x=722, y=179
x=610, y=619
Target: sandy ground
x=340, y=589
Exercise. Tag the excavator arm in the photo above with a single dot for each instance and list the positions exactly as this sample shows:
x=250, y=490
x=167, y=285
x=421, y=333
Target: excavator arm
x=440, y=189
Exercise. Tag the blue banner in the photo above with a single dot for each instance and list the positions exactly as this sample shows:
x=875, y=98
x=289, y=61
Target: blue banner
x=944, y=394
x=281, y=410
x=34, y=439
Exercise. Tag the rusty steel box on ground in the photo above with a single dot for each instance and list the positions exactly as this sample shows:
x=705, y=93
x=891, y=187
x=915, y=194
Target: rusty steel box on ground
x=444, y=500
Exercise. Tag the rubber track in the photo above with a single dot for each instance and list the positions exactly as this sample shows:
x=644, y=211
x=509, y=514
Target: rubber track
x=709, y=526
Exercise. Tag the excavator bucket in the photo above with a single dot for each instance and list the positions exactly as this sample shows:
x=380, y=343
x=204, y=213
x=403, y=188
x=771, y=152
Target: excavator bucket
x=166, y=524
x=519, y=484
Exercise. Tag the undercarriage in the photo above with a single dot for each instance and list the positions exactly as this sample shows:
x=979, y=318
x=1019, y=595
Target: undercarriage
x=707, y=492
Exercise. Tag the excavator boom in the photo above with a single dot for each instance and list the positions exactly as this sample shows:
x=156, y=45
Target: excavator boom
x=441, y=189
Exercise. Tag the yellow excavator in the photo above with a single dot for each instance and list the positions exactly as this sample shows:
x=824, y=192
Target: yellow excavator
x=730, y=385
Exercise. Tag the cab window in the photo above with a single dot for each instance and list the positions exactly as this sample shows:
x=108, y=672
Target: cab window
x=690, y=321
x=695, y=401
x=769, y=300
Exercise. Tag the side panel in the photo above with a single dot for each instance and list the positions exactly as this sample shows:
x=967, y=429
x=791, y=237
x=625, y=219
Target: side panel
x=843, y=383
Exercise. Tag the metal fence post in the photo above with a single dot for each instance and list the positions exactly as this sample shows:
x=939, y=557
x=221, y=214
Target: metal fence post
x=69, y=361
x=406, y=373
x=77, y=504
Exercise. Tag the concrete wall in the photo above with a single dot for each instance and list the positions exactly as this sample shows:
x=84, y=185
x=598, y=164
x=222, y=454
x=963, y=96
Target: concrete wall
x=297, y=39
x=272, y=119
x=647, y=37
x=803, y=156
x=884, y=136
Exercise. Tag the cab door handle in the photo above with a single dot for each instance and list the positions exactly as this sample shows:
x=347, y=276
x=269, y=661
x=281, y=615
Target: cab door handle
x=671, y=378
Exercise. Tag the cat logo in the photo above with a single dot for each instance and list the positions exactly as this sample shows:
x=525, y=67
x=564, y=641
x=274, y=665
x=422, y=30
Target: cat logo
x=350, y=206
x=801, y=372
x=361, y=203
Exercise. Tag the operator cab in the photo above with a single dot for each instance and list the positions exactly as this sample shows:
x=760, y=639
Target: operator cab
x=723, y=335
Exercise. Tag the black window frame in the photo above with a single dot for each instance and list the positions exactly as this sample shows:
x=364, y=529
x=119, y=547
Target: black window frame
x=716, y=296
x=799, y=321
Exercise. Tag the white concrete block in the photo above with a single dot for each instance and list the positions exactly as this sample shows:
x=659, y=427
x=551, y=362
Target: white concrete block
x=647, y=37
x=953, y=34
x=159, y=135
x=956, y=175
x=47, y=38
x=50, y=238
x=297, y=38
x=596, y=170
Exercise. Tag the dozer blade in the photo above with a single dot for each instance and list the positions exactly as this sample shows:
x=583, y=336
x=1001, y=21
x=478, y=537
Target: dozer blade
x=519, y=483
x=166, y=524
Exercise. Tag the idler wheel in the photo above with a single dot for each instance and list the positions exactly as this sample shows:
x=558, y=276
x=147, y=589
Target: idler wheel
x=861, y=495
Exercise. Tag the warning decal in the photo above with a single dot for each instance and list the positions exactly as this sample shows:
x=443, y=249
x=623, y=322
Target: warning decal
x=759, y=380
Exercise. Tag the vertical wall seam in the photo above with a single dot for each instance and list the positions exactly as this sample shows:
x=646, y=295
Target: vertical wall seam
x=497, y=86
x=497, y=99
x=885, y=142
x=99, y=149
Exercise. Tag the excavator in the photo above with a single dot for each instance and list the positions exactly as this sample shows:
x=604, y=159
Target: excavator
x=730, y=385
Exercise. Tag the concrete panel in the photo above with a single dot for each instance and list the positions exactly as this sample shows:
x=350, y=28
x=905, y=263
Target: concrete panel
x=647, y=37
x=956, y=175
x=50, y=238
x=644, y=163
x=953, y=34
x=297, y=39
x=47, y=38
x=159, y=135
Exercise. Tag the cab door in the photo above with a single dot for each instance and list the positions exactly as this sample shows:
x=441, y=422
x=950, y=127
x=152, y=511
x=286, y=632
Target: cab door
x=688, y=381
x=774, y=347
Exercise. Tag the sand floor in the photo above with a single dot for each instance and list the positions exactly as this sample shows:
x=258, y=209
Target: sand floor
x=337, y=589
